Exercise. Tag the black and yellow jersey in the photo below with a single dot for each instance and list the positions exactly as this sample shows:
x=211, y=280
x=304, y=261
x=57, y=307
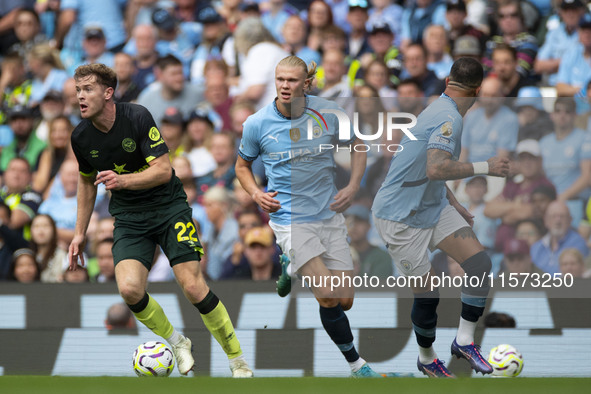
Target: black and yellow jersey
x=133, y=141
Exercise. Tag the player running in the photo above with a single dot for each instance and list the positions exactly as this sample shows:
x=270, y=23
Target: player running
x=119, y=145
x=412, y=213
x=303, y=202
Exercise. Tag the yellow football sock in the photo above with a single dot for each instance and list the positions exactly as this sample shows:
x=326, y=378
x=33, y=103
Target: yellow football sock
x=154, y=318
x=219, y=324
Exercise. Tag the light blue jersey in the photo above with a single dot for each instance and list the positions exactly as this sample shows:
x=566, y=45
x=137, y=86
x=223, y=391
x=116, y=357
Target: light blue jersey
x=299, y=169
x=407, y=195
x=485, y=136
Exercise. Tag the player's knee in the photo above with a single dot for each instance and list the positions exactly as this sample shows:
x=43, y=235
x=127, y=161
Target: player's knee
x=479, y=266
x=131, y=293
x=328, y=302
x=346, y=303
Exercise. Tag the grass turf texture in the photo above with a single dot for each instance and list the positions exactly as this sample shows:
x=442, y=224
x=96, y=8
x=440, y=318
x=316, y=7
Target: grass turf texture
x=112, y=385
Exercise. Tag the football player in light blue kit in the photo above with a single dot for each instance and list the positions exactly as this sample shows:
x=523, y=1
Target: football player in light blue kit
x=414, y=210
x=303, y=202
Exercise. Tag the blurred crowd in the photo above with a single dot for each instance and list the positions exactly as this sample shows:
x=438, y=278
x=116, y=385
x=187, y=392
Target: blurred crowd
x=202, y=68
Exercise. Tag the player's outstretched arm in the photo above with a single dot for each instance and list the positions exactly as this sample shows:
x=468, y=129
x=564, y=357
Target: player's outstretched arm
x=345, y=196
x=86, y=196
x=157, y=174
x=244, y=174
x=440, y=166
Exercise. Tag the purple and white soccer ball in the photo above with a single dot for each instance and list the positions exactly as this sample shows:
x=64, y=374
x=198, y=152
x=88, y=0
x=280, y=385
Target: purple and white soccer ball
x=153, y=359
x=506, y=361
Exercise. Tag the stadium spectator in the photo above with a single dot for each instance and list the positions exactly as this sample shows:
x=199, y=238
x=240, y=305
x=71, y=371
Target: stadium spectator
x=583, y=121
x=373, y=261
x=333, y=37
x=72, y=107
x=333, y=82
x=215, y=36
x=491, y=129
x=436, y=45
x=127, y=90
x=358, y=38
x=294, y=34
x=171, y=91
x=368, y=106
x=276, y=16
x=18, y=195
x=380, y=41
x=415, y=19
x=237, y=262
x=319, y=18
x=384, y=11
x=80, y=275
x=560, y=236
x=229, y=10
x=484, y=227
x=261, y=253
x=254, y=42
x=224, y=234
x=515, y=201
x=144, y=37
x=223, y=152
x=47, y=70
x=572, y=262
x=52, y=157
x=15, y=86
x=95, y=50
x=513, y=32
x=505, y=68
x=415, y=66
x=10, y=241
x=25, y=143
x=197, y=141
x=64, y=209
x=24, y=268
x=119, y=317
x=574, y=71
x=376, y=76
x=411, y=98
x=559, y=39
x=517, y=258
x=50, y=107
x=566, y=155
x=106, y=265
x=459, y=26
x=27, y=29
x=217, y=94
x=534, y=121
x=466, y=46
x=51, y=257
x=529, y=230
x=172, y=126
x=244, y=201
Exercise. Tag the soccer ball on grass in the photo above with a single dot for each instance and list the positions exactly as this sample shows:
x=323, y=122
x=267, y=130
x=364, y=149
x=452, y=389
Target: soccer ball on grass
x=506, y=361
x=153, y=359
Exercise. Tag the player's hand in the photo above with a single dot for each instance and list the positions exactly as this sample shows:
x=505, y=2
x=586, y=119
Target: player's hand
x=111, y=180
x=266, y=201
x=465, y=213
x=343, y=199
x=498, y=166
x=75, y=251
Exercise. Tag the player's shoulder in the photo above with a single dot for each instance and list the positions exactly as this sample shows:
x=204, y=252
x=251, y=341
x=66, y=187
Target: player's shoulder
x=256, y=120
x=133, y=111
x=79, y=130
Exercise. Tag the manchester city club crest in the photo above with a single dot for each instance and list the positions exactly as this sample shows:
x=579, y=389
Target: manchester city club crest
x=294, y=134
x=128, y=145
x=317, y=132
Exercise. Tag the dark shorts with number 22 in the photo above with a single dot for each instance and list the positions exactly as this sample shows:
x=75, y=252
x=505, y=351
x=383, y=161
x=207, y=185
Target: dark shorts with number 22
x=137, y=235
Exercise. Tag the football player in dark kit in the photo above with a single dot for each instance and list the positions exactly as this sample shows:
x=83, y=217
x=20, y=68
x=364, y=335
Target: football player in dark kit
x=119, y=145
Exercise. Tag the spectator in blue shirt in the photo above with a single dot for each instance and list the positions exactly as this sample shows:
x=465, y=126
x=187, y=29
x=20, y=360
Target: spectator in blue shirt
x=575, y=71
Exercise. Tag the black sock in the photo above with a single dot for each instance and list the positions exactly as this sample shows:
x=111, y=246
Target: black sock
x=337, y=327
x=424, y=317
x=140, y=306
x=208, y=303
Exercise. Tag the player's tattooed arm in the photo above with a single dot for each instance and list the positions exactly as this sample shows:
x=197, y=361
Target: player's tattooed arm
x=441, y=167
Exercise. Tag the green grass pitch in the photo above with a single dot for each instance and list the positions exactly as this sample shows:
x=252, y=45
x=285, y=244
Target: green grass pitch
x=112, y=385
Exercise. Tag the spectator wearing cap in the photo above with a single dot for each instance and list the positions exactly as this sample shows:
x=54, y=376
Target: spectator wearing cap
x=534, y=121
x=380, y=41
x=358, y=37
x=415, y=66
x=459, y=27
x=485, y=228
x=435, y=43
x=260, y=259
x=237, y=264
x=50, y=107
x=567, y=158
x=257, y=79
x=10, y=241
x=142, y=47
x=559, y=39
x=574, y=71
x=48, y=73
x=172, y=128
x=18, y=195
x=215, y=38
x=197, y=140
x=560, y=236
x=372, y=260
x=513, y=32
x=94, y=45
x=385, y=11
x=517, y=259
x=417, y=17
x=127, y=90
x=515, y=203
x=25, y=268
x=466, y=46
x=25, y=143
x=75, y=14
x=15, y=87
x=505, y=66
x=171, y=90
x=275, y=17
x=294, y=34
